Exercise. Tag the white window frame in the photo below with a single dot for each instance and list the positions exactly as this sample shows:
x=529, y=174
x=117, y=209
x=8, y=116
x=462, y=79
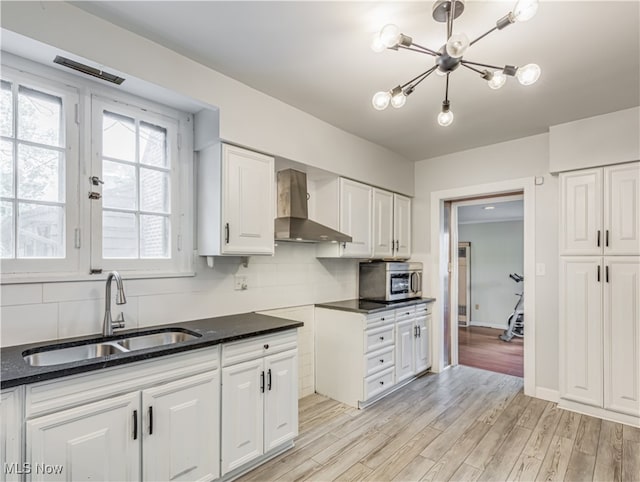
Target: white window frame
x=78, y=265
x=70, y=105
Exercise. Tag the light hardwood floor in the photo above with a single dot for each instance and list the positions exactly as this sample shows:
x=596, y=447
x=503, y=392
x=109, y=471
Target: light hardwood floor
x=463, y=424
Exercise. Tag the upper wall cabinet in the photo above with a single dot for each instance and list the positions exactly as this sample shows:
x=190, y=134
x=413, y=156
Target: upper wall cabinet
x=235, y=201
x=391, y=225
x=601, y=211
x=354, y=207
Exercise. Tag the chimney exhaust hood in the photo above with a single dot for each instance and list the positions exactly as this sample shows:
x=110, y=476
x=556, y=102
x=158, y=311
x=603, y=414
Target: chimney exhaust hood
x=293, y=223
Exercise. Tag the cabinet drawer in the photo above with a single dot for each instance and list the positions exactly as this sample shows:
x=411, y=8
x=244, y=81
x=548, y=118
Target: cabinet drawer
x=378, y=383
x=378, y=361
x=378, y=338
x=405, y=313
x=424, y=309
x=381, y=318
x=258, y=347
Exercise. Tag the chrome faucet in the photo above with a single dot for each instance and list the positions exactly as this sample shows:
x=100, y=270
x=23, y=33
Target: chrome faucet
x=108, y=324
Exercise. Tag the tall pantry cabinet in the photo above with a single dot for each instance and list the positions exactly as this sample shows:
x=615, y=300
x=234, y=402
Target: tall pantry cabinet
x=600, y=291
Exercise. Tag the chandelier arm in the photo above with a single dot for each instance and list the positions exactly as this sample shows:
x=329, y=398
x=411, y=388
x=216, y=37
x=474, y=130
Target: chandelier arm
x=427, y=52
x=432, y=52
x=473, y=68
x=446, y=90
x=464, y=62
x=451, y=14
x=483, y=35
x=424, y=75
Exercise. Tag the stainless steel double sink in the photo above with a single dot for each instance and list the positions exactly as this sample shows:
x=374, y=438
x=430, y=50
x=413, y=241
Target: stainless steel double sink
x=59, y=354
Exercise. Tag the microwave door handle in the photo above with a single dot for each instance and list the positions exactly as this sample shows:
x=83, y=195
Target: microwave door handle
x=420, y=282
x=414, y=282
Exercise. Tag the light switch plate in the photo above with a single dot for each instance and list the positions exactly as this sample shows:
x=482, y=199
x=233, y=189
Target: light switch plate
x=240, y=282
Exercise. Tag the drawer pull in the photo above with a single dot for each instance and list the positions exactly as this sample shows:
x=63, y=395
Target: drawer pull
x=381, y=382
x=266, y=346
x=382, y=319
x=381, y=360
x=382, y=338
x=408, y=313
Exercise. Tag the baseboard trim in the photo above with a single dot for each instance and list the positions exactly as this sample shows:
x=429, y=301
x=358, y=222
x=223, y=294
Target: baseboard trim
x=488, y=325
x=599, y=413
x=548, y=394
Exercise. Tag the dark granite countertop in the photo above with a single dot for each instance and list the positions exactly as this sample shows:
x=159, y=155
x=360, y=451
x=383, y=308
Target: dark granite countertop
x=15, y=371
x=364, y=306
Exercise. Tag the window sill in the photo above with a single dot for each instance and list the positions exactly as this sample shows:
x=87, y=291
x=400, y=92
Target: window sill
x=23, y=278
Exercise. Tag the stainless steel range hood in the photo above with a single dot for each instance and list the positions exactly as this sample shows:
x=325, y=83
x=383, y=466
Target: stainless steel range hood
x=293, y=223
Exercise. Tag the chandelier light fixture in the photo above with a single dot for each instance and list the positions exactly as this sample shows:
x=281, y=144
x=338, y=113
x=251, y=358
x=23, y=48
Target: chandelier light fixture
x=450, y=56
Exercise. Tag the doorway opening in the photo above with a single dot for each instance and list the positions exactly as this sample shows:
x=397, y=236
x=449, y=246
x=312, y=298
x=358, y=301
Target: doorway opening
x=443, y=272
x=489, y=266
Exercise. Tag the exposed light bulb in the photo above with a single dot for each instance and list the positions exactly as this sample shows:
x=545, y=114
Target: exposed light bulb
x=457, y=45
x=497, y=80
x=376, y=44
x=390, y=35
x=525, y=10
x=445, y=118
x=441, y=73
x=381, y=100
x=398, y=100
x=528, y=74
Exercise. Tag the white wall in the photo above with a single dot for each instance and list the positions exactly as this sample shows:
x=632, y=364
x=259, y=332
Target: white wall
x=521, y=158
x=496, y=251
x=247, y=116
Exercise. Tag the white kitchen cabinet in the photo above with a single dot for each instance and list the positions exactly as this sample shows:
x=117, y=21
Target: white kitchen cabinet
x=11, y=404
x=402, y=226
x=151, y=420
x=383, y=240
x=181, y=429
x=405, y=349
x=622, y=335
x=259, y=399
x=236, y=200
x=600, y=211
x=412, y=341
x=391, y=225
x=96, y=441
x=423, y=339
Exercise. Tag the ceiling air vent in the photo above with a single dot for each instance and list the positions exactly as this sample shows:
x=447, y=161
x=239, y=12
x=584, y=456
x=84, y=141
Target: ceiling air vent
x=85, y=69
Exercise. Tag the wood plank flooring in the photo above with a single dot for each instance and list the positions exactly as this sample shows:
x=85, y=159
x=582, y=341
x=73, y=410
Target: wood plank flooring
x=480, y=347
x=464, y=424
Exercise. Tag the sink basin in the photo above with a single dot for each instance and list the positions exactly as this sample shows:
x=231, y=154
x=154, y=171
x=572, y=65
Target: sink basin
x=72, y=353
x=55, y=356
x=155, y=339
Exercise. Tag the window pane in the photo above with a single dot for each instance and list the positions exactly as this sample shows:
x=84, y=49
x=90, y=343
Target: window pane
x=6, y=115
x=6, y=169
x=6, y=230
x=154, y=191
x=154, y=234
x=40, y=231
x=40, y=174
x=118, y=137
x=120, y=188
x=153, y=145
x=119, y=235
x=39, y=117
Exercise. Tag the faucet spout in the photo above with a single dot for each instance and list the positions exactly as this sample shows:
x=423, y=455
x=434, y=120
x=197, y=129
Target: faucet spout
x=109, y=324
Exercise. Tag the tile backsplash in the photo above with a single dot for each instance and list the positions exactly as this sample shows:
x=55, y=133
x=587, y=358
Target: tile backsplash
x=292, y=277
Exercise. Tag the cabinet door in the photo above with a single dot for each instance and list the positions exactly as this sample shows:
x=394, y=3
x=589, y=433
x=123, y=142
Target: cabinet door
x=405, y=346
x=382, y=224
x=423, y=355
x=581, y=212
x=242, y=413
x=581, y=329
x=355, y=218
x=622, y=335
x=622, y=209
x=182, y=429
x=281, y=400
x=402, y=226
x=11, y=434
x=97, y=441
x=247, y=202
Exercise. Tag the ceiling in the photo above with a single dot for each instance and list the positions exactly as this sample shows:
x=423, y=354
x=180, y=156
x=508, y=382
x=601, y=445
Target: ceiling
x=503, y=211
x=316, y=56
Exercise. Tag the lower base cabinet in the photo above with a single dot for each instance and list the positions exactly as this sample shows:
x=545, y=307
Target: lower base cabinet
x=259, y=398
x=11, y=406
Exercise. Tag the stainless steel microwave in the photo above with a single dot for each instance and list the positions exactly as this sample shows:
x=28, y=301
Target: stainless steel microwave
x=390, y=281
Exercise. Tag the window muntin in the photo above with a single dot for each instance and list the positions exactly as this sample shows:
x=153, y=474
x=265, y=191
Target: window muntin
x=136, y=206
x=33, y=167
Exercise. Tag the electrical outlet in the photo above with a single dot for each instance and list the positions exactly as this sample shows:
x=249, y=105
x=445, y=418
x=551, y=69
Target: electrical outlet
x=477, y=306
x=241, y=282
